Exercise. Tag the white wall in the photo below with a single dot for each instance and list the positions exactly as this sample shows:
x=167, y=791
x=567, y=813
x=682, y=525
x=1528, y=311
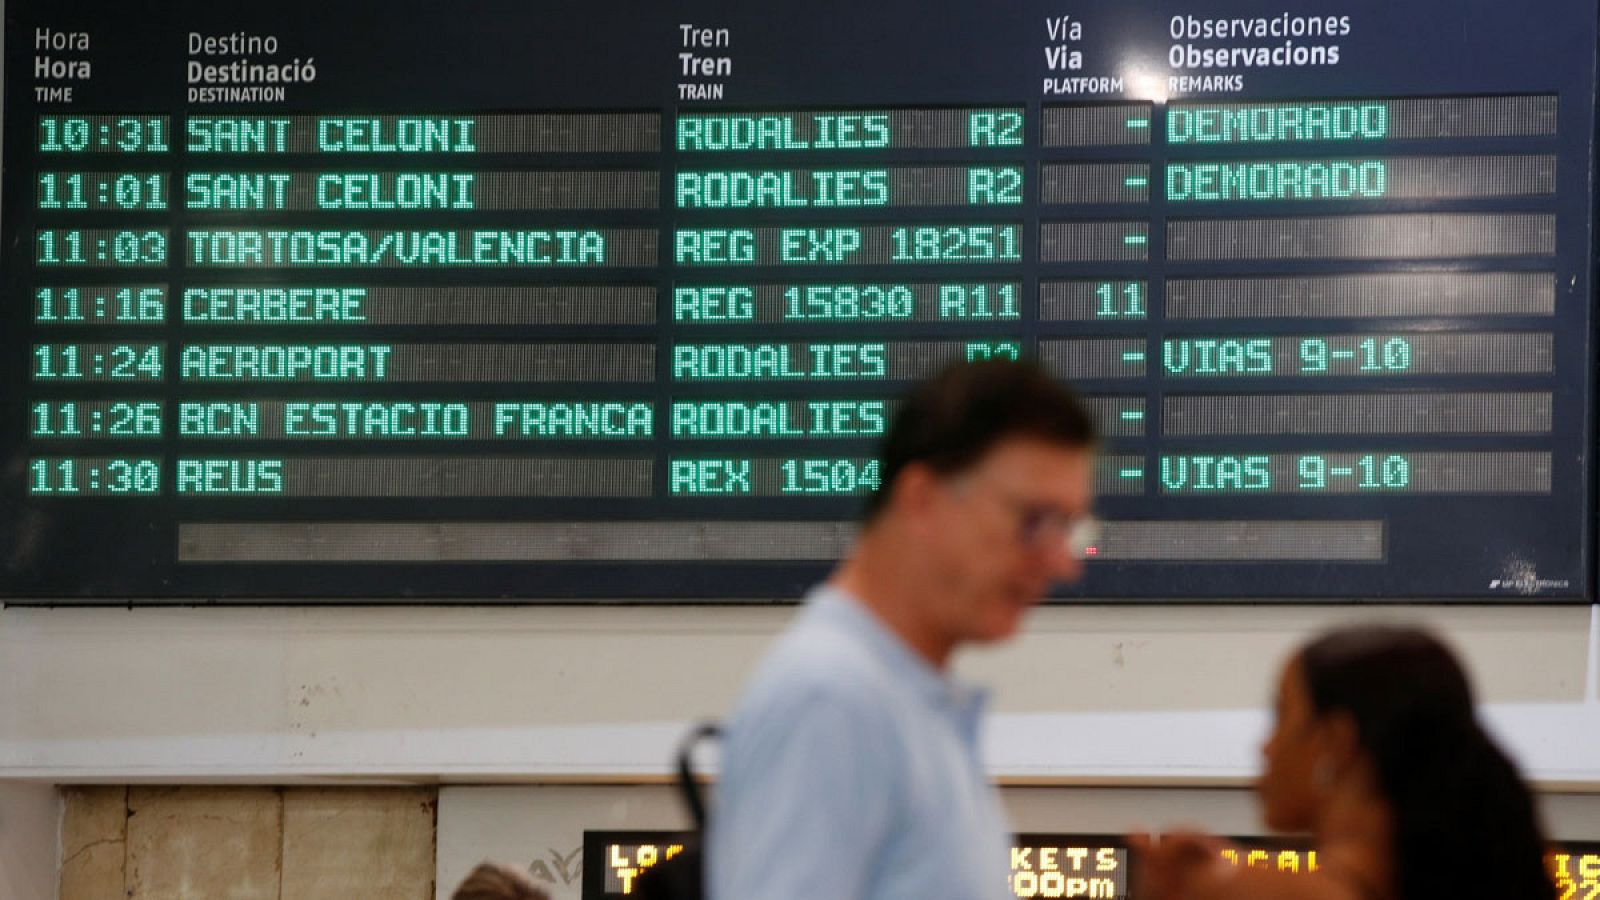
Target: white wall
x=1089, y=695
x=1165, y=698
x=30, y=825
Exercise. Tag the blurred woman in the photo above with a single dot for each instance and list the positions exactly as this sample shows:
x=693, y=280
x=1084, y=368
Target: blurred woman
x=1376, y=751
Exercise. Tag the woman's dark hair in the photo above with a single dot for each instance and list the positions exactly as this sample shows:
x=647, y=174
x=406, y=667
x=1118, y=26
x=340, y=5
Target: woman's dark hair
x=1464, y=821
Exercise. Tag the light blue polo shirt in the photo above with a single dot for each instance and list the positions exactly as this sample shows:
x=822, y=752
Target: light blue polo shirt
x=851, y=770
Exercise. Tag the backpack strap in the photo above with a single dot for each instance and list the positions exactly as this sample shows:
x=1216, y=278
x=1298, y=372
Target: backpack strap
x=682, y=877
x=686, y=781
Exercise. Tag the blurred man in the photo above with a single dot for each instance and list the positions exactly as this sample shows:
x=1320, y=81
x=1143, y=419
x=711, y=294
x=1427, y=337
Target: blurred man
x=851, y=767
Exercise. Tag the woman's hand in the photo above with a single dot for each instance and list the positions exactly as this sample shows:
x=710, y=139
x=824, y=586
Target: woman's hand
x=1180, y=865
x=1189, y=865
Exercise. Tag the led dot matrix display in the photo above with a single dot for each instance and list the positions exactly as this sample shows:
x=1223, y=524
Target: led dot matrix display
x=623, y=311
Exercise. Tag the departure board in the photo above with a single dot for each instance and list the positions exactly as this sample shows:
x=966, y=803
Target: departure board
x=612, y=302
x=1101, y=867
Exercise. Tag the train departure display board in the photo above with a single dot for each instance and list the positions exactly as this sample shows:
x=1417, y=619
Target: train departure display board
x=1099, y=867
x=607, y=301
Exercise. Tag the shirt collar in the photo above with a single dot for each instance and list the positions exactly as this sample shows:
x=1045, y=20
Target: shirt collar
x=964, y=702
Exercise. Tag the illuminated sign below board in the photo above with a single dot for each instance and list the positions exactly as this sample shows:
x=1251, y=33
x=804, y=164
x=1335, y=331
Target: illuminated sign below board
x=1055, y=865
x=1098, y=867
x=605, y=302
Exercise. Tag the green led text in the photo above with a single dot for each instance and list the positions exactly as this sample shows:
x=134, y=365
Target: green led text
x=714, y=304
x=125, y=134
x=1299, y=180
x=97, y=362
x=1348, y=354
x=1368, y=472
x=778, y=361
x=709, y=476
x=830, y=476
x=961, y=243
x=782, y=131
x=120, y=305
x=777, y=418
x=1286, y=122
x=101, y=190
x=98, y=247
x=331, y=190
x=94, y=477
x=994, y=129
x=978, y=301
x=77, y=419
x=230, y=476
x=1193, y=474
x=981, y=350
x=1365, y=355
x=396, y=248
x=1217, y=356
x=284, y=362
x=782, y=189
x=253, y=134
x=1120, y=300
x=848, y=302
x=596, y=420
x=274, y=304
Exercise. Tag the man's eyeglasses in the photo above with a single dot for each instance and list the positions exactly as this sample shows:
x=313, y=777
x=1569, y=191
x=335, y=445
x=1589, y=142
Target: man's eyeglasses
x=1039, y=525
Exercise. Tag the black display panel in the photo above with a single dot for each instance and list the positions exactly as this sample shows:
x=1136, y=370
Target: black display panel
x=574, y=302
x=1055, y=865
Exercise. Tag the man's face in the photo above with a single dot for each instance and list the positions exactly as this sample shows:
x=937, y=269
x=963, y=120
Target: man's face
x=998, y=535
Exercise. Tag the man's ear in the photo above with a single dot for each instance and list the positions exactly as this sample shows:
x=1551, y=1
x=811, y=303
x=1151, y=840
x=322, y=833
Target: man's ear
x=916, y=491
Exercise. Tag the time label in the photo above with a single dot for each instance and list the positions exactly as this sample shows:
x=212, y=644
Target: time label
x=94, y=477
x=83, y=191
x=103, y=134
x=100, y=247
